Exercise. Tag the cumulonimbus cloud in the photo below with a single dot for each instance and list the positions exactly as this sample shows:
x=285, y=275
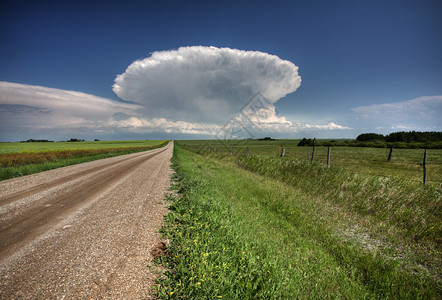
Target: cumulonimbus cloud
x=204, y=84
x=192, y=90
x=36, y=109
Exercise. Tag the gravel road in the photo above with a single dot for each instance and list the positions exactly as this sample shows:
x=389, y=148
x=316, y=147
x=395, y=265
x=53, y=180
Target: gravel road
x=84, y=231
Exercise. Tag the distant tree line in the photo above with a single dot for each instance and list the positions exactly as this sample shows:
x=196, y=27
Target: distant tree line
x=47, y=141
x=402, y=139
x=306, y=142
x=36, y=141
x=403, y=136
x=365, y=137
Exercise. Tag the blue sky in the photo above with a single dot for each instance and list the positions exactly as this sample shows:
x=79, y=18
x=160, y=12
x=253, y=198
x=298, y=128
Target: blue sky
x=366, y=66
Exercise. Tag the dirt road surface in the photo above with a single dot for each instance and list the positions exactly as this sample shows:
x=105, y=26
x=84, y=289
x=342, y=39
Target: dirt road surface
x=84, y=231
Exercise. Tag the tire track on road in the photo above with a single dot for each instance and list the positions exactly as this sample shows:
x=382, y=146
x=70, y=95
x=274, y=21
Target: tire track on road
x=98, y=248
x=47, y=185
x=25, y=227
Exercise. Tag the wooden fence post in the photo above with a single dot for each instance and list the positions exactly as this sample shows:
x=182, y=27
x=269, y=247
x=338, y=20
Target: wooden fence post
x=391, y=152
x=328, y=157
x=425, y=167
x=283, y=152
x=313, y=150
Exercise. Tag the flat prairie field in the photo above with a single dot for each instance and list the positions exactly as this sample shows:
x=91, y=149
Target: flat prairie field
x=54, y=146
x=405, y=163
x=18, y=159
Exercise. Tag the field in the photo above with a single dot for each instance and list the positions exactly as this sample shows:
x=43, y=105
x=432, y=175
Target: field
x=56, y=146
x=18, y=159
x=260, y=226
x=405, y=163
x=247, y=224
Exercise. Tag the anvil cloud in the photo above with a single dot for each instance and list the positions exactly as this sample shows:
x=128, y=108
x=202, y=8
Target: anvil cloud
x=190, y=91
x=204, y=84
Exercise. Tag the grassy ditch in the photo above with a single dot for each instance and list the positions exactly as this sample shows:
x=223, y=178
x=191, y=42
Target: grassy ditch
x=15, y=164
x=413, y=208
x=406, y=163
x=237, y=234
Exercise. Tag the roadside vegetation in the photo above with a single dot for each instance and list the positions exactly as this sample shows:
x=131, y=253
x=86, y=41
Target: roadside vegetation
x=18, y=159
x=404, y=163
x=266, y=227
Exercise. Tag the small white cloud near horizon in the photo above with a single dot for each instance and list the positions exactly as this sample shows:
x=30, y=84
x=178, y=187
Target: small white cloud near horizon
x=143, y=125
x=266, y=120
x=420, y=114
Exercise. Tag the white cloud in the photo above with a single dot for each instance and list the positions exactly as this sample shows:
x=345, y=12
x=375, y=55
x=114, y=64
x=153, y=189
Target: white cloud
x=192, y=90
x=267, y=120
x=27, y=110
x=249, y=128
x=207, y=86
x=204, y=84
x=141, y=125
x=32, y=107
x=422, y=113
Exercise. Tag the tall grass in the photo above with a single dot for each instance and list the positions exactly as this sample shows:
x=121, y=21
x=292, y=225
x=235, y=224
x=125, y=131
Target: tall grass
x=404, y=163
x=413, y=207
x=241, y=235
x=399, y=218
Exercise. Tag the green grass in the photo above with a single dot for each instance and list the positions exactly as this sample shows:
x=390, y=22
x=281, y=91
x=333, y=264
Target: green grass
x=391, y=199
x=405, y=163
x=50, y=146
x=320, y=142
x=40, y=157
x=237, y=234
x=405, y=213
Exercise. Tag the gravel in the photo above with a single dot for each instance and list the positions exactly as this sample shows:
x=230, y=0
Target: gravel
x=84, y=231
